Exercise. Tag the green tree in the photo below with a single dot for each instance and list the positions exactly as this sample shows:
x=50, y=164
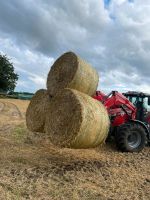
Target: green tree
x=8, y=78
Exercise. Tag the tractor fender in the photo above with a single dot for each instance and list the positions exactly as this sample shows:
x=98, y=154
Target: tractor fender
x=146, y=127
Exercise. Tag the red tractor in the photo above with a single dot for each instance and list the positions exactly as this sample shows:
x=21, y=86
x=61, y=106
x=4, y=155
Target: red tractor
x=130, y=120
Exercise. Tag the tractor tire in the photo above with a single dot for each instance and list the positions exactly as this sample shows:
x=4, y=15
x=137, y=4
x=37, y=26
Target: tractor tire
x=131, y=137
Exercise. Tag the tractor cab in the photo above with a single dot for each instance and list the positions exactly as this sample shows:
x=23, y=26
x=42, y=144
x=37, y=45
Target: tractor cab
x=142, y=102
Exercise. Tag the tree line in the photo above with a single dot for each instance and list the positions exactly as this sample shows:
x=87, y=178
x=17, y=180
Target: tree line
x=8, y=77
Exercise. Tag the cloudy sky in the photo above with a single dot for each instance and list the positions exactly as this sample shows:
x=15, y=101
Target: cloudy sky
x=112, y=35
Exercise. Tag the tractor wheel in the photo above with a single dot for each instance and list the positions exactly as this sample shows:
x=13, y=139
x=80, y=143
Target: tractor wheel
x=131, y=138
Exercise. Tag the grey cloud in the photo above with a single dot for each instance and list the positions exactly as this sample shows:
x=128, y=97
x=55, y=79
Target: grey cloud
x=118, y=47
x=52, y=27
x=26, y=22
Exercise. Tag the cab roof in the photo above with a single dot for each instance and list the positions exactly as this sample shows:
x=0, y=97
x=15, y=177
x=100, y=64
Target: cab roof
x=136, y=94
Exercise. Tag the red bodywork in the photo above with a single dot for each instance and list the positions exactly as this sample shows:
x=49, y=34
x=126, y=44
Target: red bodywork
x=119, y=108
x=100, y=96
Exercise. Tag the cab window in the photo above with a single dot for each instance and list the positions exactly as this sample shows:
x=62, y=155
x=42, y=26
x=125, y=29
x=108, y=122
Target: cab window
x=146, y=104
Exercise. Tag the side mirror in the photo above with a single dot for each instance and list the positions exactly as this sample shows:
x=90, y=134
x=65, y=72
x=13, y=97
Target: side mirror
x=149, y=101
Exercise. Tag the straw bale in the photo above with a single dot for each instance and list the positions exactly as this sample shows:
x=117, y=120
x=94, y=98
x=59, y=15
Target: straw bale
x=35, y=115
x=70, y=71
x=76, y=120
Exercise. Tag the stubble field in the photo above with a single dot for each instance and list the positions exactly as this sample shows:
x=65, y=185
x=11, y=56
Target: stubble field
x=32, y=168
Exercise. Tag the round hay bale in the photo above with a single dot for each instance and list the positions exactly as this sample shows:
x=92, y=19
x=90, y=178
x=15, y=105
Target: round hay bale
x=78, y=120
x=35, y=115
x=70, y=71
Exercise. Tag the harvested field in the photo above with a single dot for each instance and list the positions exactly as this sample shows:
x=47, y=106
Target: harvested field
x=32, y=168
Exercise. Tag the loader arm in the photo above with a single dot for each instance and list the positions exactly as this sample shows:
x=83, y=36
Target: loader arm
x=117, y=100
x=119, y=108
